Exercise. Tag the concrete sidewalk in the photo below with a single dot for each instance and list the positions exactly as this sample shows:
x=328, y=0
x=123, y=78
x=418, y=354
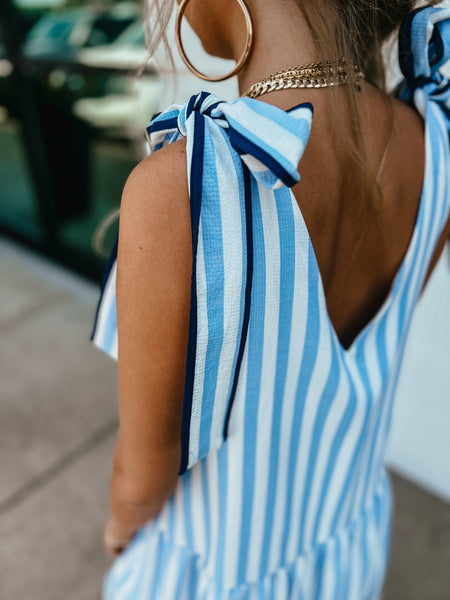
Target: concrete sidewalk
x=58, y=418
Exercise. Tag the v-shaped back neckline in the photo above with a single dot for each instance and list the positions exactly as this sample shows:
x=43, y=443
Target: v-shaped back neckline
x=398, y=277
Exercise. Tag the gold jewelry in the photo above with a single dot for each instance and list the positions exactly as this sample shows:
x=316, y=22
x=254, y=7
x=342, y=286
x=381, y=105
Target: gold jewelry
x=244, y=57
x=313, y=75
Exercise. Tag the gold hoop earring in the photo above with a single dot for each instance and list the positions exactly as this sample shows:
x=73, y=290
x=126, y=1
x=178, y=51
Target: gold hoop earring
x=243, y=59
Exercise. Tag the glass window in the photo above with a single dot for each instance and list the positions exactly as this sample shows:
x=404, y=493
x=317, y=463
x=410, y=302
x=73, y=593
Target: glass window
x=72, y=118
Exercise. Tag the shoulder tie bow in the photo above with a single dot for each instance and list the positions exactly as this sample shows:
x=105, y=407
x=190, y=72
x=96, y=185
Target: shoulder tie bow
x=269, y=140
x=424, y=48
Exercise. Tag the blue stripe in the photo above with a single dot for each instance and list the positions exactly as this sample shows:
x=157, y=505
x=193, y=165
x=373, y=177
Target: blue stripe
x=171, y=517
x=338, y=571
x=286, y=229
x=215, y=277
x=318, y=571
x=307, y=367
x=195, y=202
x=239, y=168
x=248, y=292
x=255, y=355
x=164, y=555
x=356, y=469
x=383, y=367
x=338, y=441
x=323, y=409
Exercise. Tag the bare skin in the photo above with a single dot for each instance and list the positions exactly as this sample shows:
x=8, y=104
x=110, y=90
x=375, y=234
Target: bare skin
x=155, y=255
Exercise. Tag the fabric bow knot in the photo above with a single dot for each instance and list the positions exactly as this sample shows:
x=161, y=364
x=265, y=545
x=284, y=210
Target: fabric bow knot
x=424, y=48
x=269, y=140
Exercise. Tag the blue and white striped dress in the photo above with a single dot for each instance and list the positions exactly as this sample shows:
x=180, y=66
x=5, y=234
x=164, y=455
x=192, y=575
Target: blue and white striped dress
x=282, y=492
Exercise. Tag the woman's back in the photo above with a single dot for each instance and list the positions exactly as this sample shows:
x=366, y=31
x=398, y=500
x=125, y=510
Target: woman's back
x=359, y=243
x=287, y=394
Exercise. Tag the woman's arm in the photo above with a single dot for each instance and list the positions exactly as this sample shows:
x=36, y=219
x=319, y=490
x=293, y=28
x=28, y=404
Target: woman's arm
x=153, y=301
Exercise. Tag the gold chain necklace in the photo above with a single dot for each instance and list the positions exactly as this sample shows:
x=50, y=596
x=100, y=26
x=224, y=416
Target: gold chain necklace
x=313, y=75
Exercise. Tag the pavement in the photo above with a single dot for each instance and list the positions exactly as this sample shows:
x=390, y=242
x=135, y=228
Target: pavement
x=58, y=421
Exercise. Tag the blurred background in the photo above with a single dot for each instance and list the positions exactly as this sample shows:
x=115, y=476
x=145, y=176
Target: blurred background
x=73, y=113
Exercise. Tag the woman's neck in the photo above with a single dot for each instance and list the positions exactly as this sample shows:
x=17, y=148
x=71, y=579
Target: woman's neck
x=282, y=40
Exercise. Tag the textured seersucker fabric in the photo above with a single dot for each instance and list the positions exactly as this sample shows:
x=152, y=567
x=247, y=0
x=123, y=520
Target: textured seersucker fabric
x=282, y=493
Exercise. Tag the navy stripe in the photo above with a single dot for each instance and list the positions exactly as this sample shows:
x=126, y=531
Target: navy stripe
x=195, y=201
x=163, y=125
x=213, y=107
x=244, y=146
x=201, y=99
x=191, y=106
x=405, y=53
x=301, y=105
x=436, y=48
x=248, y=291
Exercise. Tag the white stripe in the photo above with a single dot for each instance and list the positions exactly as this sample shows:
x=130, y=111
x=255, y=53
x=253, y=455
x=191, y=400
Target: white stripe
x=198, y=510
x=335, y=487
x=213, y=498
x=294, y=361
x=146, y=573
x=175, y=570
x=109, y=296
x=228, y=195
x=178, y=507
x=236, y=458
x=329, y=573
x=114, y=353
x=265, y=408
x=316, y=387
x=200, y=353
x=269, y=131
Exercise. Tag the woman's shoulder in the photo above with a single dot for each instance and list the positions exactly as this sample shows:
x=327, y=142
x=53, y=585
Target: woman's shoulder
x=157, y=188
x=155, y=215
x=163, y=171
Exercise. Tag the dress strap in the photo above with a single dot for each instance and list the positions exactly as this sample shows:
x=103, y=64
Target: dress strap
x=231, y=148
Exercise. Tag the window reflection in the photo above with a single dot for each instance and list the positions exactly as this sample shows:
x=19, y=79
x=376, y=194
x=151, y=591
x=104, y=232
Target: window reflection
x=72, y=117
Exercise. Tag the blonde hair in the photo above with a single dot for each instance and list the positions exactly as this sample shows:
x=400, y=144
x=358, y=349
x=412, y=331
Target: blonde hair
x=157, y=15
x=356, y=30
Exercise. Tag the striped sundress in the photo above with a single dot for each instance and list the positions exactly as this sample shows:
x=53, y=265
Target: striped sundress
x=282, y=491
